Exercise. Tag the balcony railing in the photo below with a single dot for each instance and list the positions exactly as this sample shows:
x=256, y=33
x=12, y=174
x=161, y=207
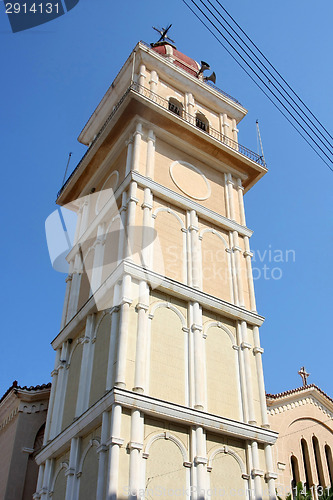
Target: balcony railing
x=160, y=101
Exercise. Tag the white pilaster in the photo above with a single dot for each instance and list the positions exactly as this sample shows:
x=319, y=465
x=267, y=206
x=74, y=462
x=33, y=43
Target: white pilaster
x=242, y=374
x=86, y=367
x=198, y=357
x=270, y=475
x=195, y=254
x=258, y=351
x=130, y=227
x=72, y=468
x=66, y=301
x=150, y=162
x=201, y=463
x=120, y=380
x=240, y=191
x=114, y=442
x=96, y=275
x=102, y=455
x=230, y=189
x=234, y=130
x=153, y=82
x=248, y=257
x=50, y=410
x=246, y=347
x=141, y=343
x=257, y=473
x=112, y=346
x=135, y=447
x=129, y=156
x=238, y=268
x=142, y=75
x=37, y=494
x=47, y=476
x=60, y=394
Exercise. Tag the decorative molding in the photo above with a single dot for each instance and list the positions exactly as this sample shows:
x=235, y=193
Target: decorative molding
x=227, y=450
x=27, y=450
x=115, y=440
x=270, y=475
x=247, y=253
x=246, y=345
x=133, y=445
x=257, y=350
x=197, y=171
x=257, y=472
x=294, y=404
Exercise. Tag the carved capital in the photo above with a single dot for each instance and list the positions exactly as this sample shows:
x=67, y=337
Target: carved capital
x=257, y=350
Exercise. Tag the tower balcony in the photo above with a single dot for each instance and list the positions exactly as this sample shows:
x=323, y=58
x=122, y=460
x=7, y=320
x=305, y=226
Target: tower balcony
x=151, y=106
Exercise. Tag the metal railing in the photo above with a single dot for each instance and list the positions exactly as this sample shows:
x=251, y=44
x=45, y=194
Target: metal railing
x=193, y=120
x=182, y=115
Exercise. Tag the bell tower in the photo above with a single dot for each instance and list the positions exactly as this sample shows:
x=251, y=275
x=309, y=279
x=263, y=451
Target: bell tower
x=158, y=386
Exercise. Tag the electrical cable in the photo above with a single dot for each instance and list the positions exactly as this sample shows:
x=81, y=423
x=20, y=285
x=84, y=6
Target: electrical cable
x=255, y=82
x=257, y=75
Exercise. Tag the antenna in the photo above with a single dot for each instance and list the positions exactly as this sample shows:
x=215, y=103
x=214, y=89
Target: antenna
x=69, y=159
x=260, y=143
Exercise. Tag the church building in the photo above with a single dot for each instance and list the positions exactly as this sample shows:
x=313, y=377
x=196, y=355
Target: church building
x=158, y=388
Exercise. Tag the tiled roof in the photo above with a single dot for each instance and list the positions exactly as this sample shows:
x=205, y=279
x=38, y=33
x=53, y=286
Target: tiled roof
x=25, y=388
x=298, y=389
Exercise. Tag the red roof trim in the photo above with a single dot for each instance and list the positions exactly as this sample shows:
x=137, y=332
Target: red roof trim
x=16, y=387
x=297, y=390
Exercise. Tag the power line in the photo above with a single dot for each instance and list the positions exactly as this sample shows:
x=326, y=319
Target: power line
x=277, y=72
x=251, y=77
x=257, y=75
x=313, y=125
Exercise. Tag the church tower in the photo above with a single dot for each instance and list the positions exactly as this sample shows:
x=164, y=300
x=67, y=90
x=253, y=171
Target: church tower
x=158, y=389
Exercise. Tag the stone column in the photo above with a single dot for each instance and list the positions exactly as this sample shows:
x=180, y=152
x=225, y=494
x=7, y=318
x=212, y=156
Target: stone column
x=238, y=268
x=234, y=130
x=196, y=265
x=150, y=154
x=37, y=495
x=72, y=468
x=230, y=189
x=240, y=191
x=246, y=347
x=131, y=207
x=75, y=287
x=142, y=75
x=242, y=373
x=111, y=358
x=97, y=270
x=102, y=450
x=153, y=82
x=137, y=138
x=201, y=463
x=141, y=343
x=120, y=380
x=50, y=416
x=66, y=301
x=60, y=394
x=129, y=145
x=114, y=443
x=248, y=257
x=224, y=126
x=86, y=367
x=270, y=475
x=44, y=492
x=257, y=473
x=258, y=351
x=198, y=345
x=135, y=447
x=147, y=230
x=189, y=102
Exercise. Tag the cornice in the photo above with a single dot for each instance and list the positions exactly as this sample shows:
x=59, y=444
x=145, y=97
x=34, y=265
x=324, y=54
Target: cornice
x=156, y=408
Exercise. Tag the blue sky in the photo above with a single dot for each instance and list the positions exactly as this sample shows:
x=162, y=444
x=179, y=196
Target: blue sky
x=52, y=78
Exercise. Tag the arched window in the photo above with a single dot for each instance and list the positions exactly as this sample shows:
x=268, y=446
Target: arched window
x=306, y=462
x=294, y=471
x=319, y=465
x=201, y=122
x=329, y=460
x=175, y=106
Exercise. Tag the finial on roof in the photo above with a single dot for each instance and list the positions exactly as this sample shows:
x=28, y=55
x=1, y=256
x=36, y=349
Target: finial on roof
x=304, y=375
x=163, y=38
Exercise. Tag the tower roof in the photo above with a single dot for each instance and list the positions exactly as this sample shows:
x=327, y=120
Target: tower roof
x=178, y=58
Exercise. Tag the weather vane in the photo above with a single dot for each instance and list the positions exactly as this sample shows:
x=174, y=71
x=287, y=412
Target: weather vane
x=304, y=374
x=163, y=32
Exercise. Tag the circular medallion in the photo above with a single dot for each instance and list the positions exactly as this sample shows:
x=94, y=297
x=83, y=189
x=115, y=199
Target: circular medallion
x=190, y=180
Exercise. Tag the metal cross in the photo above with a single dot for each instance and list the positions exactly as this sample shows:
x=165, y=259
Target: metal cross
x=304, y=374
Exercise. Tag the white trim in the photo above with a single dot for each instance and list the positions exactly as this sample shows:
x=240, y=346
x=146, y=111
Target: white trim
x=101, y=190
x=168, y=305
x=170, y=437
x=211, y=230
x=169, y=211
x=93, y=442
x=228, y=451
x=157, y=409
x=63, y=465
x=218, y=324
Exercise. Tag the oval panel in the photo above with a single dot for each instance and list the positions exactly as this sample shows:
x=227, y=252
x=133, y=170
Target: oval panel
x=190, y=180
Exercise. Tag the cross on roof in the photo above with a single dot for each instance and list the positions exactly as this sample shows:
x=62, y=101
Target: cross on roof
x=304, y=374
